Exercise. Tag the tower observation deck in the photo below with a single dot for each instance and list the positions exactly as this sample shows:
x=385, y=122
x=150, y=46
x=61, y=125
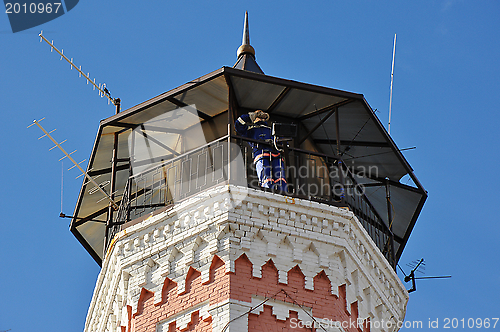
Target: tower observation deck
x=183, y=142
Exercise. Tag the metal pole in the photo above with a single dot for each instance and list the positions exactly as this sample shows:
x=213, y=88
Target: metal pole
x=230, y=128
x=130, y=181
x=390, y=216
x=114, y=162
x=339, y=162
x=392, y=79
x=117, y=103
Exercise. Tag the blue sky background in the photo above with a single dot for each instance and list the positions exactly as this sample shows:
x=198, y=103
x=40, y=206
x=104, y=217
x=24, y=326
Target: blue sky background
x=446, y=103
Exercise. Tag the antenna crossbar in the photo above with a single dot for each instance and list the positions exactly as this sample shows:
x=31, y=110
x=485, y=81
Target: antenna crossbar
x=99, y=188
x=99, y=87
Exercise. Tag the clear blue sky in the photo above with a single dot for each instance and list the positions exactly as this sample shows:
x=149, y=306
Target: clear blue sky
x=446, y=100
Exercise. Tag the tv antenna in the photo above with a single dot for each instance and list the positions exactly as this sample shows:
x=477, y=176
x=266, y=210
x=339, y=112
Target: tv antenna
x=98, y=187
x=418, y=266
x=392, y=79
x=103, y=90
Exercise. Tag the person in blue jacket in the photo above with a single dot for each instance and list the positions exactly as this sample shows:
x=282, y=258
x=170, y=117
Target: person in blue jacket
x=268, y=162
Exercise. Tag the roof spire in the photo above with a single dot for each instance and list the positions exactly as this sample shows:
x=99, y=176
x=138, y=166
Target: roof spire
x=246, y=53
x=245, y=43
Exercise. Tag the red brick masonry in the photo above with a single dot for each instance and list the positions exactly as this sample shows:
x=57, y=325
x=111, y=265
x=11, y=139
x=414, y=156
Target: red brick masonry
x=241, y=286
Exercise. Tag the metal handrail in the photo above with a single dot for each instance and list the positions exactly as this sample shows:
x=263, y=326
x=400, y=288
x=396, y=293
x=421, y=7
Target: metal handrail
x=179, y=157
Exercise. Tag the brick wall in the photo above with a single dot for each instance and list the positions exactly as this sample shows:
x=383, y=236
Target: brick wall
x=242, y=286
x=208, y=260
x=214, y=291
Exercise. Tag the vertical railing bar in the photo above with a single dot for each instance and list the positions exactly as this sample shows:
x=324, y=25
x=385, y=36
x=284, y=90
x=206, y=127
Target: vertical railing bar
x=197, y=186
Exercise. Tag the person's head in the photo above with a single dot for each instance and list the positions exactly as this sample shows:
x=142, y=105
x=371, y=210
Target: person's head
x=261, y=116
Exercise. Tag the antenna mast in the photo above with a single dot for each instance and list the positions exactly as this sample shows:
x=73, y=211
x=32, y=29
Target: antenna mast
x=103, y=91
x=392, y=79
x=411, y=277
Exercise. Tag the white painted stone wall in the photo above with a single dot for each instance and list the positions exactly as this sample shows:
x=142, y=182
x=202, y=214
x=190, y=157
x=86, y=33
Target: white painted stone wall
x=228, y=221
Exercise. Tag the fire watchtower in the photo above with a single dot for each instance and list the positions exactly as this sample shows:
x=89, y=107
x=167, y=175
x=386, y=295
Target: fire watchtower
x=197, y=243
x=182, y=141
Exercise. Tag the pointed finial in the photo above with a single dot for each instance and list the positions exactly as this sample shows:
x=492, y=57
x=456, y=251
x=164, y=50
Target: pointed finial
x=245, y=43
x=246, y=35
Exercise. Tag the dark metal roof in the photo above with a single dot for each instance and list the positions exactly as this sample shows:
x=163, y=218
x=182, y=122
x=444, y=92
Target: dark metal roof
x=247, y=62
x=364, y=142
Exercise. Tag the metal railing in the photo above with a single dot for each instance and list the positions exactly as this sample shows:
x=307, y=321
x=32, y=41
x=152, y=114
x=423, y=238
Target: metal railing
x=169, y=182
x=323, y=178
x=310, y=175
